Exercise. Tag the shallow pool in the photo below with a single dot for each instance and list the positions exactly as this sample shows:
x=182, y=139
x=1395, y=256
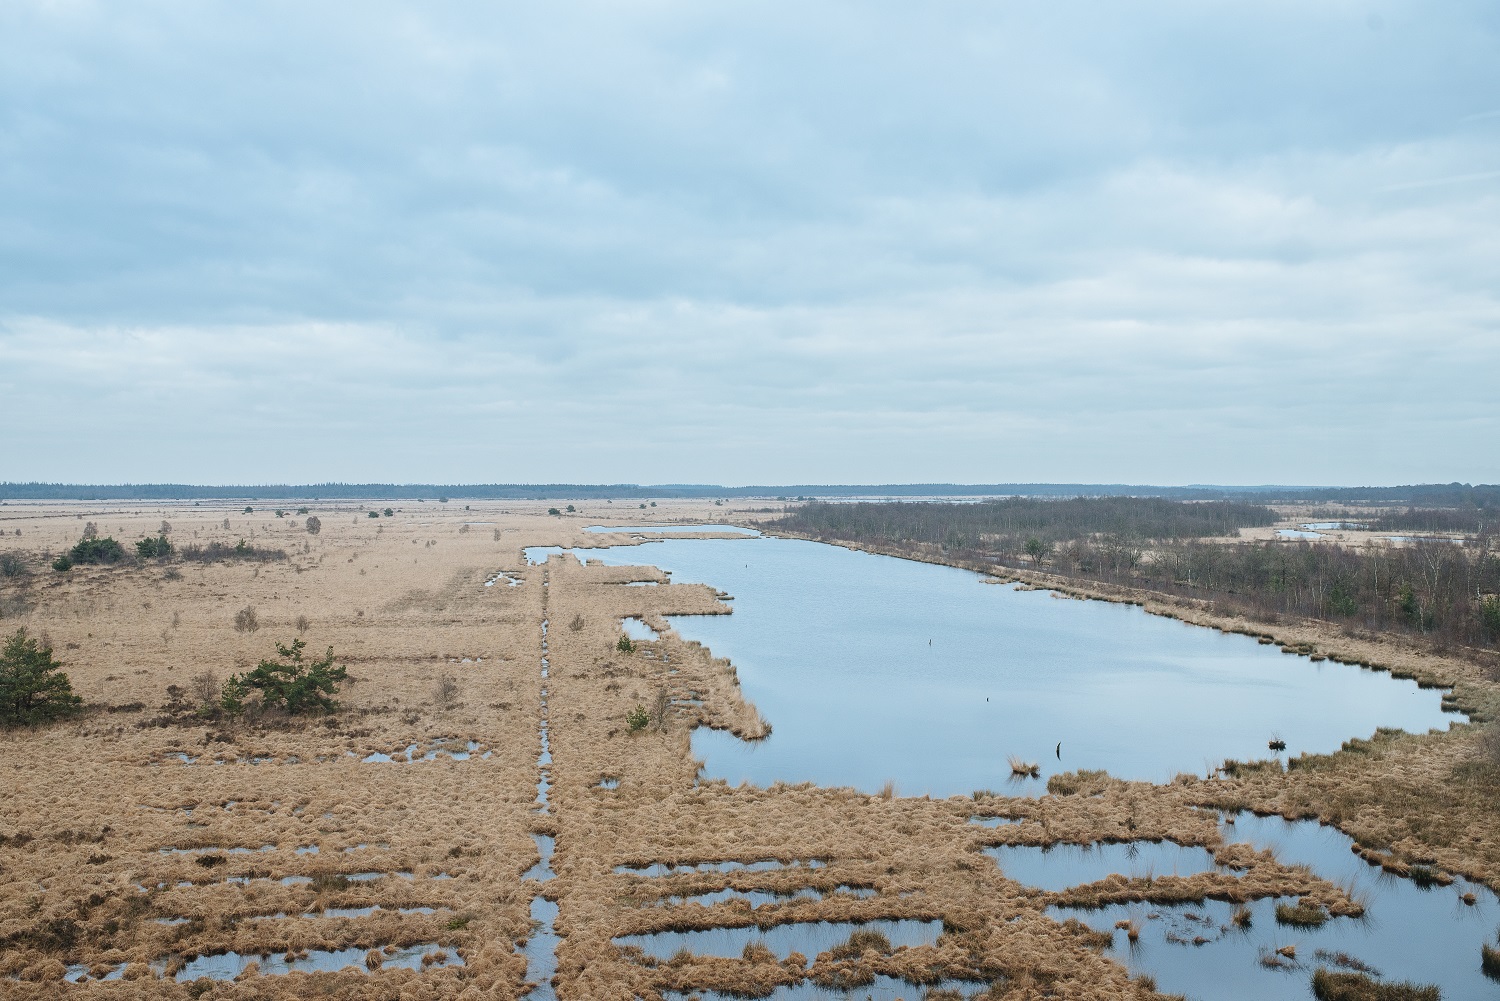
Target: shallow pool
x=1428, y=936
x=806, y=937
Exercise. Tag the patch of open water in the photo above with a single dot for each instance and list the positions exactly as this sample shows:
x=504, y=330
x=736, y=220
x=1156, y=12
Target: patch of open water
x=806, y=937
x=882, y=988
x=1428, y=936
x=636, y=629
x=672, y=529
x=871, y=668
x=1065, y=865
x=228, y=965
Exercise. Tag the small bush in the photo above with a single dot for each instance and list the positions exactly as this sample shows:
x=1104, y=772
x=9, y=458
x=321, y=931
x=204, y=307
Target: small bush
x=205, y=688
x=638, y=719
x=372, y=514
x=445, y=692
x=62, y=564
x=314, y=524
x=216, y=551
x=577, y=623
x=97, y=550
x=624, y=645
x=157, y=548
x=296, y=685
x=12, y=565
x=302, y=510
x=388, y=513
x=554, y=511
x=246, y=621
x=33, y=687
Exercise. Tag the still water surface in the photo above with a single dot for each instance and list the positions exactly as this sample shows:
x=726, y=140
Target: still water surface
x=872, y=668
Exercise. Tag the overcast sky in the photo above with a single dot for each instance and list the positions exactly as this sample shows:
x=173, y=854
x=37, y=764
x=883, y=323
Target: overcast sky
x=1159, y=242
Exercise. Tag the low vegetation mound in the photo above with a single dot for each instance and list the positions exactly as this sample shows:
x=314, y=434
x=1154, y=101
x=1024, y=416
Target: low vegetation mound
x=214, y=552
x=1330, y=986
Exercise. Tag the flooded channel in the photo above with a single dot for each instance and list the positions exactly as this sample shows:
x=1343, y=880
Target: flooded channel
x=939, y=677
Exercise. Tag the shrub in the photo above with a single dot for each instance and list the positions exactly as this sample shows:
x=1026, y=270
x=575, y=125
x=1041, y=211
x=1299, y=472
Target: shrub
x=554, y=511
x=206, y=689
x=577, y=623
x=571, y=509
x=232, y=696
x=445, y=692
x=302, y=510
x=249, y=509
x=388, y=513
x=624, y=645
x=638, y=719
x=295, y=684
x=314, y=524
x=158, y=547
x=246, y=621
x=11, y=565
x=372, y=514
x=62, y=564
x=97, y=550
x=216, y=551
x=33, y=688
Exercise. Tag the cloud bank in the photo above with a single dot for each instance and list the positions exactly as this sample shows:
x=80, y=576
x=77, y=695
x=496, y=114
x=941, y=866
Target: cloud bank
x=665, y=241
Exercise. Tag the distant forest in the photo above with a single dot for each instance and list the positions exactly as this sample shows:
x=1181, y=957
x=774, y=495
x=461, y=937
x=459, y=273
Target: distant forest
x=1424, y=495
x=1006, y=525
x=1432, y=587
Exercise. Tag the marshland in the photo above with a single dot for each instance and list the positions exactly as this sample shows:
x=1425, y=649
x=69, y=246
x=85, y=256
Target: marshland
x=750, y=748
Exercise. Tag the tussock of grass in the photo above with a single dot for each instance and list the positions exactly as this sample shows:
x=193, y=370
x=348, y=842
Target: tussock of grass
x=1301, y=915
x=1330, y=986
x=1081, y=781
x=1489, y=961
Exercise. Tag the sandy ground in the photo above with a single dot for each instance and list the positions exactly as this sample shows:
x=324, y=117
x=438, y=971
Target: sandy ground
x=91, y=806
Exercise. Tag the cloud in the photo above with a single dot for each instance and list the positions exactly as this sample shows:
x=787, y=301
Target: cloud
x=676, y=242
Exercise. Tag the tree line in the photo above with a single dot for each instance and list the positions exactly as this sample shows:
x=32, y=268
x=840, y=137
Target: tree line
x=1006, y=525
x=1448, y=592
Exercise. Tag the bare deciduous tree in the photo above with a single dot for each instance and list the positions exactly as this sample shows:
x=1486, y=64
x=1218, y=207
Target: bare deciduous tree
x=205, y=688
x=445, y=693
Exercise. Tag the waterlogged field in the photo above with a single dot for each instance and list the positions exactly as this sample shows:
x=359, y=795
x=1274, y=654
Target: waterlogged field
x=706, y=766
